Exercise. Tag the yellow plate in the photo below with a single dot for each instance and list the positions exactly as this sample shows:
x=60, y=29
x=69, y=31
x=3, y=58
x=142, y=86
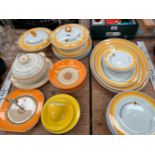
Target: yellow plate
x=76, y=108
x=34, y=48
x=57, y=114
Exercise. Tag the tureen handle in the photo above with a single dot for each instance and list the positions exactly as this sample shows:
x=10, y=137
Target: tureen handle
x=34, y=33
x=68, y=28
x=42, y=54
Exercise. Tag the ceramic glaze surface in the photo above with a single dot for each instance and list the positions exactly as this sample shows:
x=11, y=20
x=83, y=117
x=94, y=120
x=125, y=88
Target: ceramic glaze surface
x=36, y=38
x=68, y=76
x=120, y=59
x=27, y=110
x=136, y=116
x=71, y=36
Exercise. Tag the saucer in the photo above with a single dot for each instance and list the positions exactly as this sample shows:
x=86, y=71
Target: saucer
x=131, y=113
x=22, y=115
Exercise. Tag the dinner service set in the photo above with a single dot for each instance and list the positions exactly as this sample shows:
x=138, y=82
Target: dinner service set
x=71, y=41
x=117, y=64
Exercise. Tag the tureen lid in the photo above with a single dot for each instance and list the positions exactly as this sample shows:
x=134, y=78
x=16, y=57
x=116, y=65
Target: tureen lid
x=35, y=39
x=70, y=36
x=28, y=65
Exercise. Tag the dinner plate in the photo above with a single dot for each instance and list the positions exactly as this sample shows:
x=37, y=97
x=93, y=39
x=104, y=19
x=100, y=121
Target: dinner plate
x=76, y=108
x=39, y=83
x=131, y=113
x=21, y=110
x=35, y=39
x=142, y=62
x=67, y=74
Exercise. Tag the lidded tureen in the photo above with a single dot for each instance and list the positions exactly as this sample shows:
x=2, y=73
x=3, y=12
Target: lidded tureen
x=35, y=39
x=30, y=70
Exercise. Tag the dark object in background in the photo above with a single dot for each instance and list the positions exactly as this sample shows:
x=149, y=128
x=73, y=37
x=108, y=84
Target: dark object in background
x=48, y=23
x=2, y=68
x=127, y=28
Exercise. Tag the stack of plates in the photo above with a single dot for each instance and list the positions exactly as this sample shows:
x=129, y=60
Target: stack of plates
x=60, y=114
x=21, y=110
x=119, y=65
x=68, y=74
x=131, y=113
x=71, y=41
x=35, y=39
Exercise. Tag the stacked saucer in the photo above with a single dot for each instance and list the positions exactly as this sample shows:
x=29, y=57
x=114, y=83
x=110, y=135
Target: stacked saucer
x=60, y=114
x=21, y=110
x=35, y=39
x=71, y=41
x=131, y=113
x=30, y=71
x=68, y=74
x=119, y=65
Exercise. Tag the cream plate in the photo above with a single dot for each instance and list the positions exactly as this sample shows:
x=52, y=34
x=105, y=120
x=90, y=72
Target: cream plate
x=132, y=113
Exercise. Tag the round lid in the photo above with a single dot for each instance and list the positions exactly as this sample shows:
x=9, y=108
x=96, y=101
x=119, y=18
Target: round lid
x=70, y=36
x=57, y=114
x=35, y=39
x=28, y=65
x=119, y=60
x=22, y=109
x=132, y=113
x=67, y=74
x=61, y=100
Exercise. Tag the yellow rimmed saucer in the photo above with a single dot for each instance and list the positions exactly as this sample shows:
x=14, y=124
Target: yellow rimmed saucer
x=35, y=39
x=134, y=103
x=70, y=36
x=119, y=59
x=71, y=122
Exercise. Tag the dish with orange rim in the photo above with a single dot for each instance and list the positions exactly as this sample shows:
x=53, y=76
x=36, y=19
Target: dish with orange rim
x=35, y=39
x=74, y=36
x=21, y=110
x=142, y=62
x=67, y=74
x=131, y=113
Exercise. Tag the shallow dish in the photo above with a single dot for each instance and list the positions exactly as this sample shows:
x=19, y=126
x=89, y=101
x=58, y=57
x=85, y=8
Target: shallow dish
x=67, y=74
x=21, y=110
x=131, y=113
